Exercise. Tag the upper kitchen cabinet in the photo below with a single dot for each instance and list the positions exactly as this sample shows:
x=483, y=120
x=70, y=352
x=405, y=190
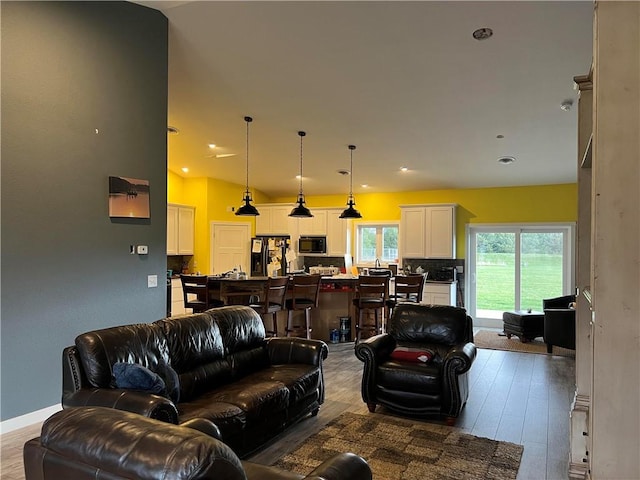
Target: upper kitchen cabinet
x=180, y=229
x=428, y=231
x=273, y=220
x=336, y=233
x=316, y=225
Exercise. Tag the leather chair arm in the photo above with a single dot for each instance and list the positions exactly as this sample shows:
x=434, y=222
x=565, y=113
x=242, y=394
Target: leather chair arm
x=373, y=349
x=460, y=358
x=145, y=404
x=205, y=426
x=284, y=350
x=344, y=466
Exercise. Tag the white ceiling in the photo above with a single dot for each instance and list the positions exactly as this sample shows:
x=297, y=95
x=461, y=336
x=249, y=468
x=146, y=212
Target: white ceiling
x=404, y=81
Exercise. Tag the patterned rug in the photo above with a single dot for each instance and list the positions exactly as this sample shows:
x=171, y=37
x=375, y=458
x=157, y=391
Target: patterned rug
x=399, y=449
x=494, y=341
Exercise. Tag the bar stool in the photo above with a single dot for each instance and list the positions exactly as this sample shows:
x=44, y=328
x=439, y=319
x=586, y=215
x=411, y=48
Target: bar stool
x=408, y=288
x=195, y=285
x=274, y=301
x=304, y=296
x=372, y=292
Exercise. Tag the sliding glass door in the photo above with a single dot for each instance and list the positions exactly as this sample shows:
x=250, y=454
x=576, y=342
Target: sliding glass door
x=514, y=267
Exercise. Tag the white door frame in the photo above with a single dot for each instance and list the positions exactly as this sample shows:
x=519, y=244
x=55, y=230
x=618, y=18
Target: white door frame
x=212, y=245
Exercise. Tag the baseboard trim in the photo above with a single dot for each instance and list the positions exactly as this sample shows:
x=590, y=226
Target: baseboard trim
x=28, y=419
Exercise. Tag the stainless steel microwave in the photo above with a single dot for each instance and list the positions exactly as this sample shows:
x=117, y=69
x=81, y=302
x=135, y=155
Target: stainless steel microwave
x=312, y=245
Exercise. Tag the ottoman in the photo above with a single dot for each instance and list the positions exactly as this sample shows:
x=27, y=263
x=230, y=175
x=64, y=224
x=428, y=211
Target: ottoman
x=525, y=324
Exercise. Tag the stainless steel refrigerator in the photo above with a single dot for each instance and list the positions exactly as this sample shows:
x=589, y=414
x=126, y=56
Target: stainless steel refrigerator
x=269, y=250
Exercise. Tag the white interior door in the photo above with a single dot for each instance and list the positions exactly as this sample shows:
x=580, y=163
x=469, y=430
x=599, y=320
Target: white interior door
x=230, y=246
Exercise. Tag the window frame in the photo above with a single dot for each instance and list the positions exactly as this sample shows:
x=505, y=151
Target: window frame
x=379, y=225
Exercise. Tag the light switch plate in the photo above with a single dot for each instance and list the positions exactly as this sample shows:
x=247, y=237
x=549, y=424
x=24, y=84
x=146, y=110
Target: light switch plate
x=142, y=249
x=152, y=281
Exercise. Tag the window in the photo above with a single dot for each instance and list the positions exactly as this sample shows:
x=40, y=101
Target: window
x=376, y=241
x=515, y=267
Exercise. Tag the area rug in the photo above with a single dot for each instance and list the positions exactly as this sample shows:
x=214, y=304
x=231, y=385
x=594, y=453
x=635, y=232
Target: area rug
x=494, y=341
x=400, y=449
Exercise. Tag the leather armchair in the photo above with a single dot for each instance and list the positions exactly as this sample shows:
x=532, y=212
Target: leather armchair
x=439, y=386
x=559, y=322
x=96, y=442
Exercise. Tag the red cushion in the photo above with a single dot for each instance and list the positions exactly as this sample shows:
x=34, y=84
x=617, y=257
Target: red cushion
x=423, y=356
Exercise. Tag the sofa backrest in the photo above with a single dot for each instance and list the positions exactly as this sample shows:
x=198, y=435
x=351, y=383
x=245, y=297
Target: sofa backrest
x=214, y=347
x=430, y=324
x=243, y=337
x=141, y=343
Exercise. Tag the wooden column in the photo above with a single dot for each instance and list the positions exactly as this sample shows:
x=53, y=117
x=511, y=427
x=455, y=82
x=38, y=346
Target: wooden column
x=614, y=416
x=578, y=461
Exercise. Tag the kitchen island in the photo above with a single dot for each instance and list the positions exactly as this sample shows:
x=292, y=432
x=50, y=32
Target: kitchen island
x=335, y=300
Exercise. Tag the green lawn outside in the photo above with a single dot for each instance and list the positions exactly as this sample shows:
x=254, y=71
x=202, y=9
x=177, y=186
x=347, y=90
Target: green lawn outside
x=541, y=278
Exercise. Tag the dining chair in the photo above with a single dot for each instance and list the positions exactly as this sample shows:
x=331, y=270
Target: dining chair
x=372, y=293
x=304, y=297
x=408, y=289
x=273, y=301
x=195, y=292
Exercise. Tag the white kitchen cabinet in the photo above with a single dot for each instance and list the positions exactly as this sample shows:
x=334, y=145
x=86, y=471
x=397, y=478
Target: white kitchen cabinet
x=428, y=231
x=180, y=229
x=439, y=293
x=336, y=233
x=316, y=225
x=273, y=219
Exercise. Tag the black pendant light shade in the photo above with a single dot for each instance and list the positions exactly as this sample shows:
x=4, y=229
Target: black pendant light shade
x=247, y=209
x=350, y=211
x=300, y=210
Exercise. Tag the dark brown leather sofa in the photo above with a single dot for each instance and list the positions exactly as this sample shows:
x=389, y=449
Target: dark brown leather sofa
x=96, y=443
x=438, y=387
x=251, y=387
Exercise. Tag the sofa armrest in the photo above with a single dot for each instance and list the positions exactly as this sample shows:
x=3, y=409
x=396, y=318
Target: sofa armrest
x=460, y=358
x=344, y=466
x=145, y=404
x=375, y=348
x=285, y=350
x=373, y=351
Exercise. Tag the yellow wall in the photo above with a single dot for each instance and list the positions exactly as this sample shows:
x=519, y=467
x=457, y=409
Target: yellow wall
x=211, y=198
x=542, y=203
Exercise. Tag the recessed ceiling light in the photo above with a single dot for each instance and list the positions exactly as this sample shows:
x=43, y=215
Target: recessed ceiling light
x=172, y=130
x=404, y=169
x=225, y=155
x=506, y=160
x=482, y=33
x=185, y=169
x=364, y=185
x=212, y=145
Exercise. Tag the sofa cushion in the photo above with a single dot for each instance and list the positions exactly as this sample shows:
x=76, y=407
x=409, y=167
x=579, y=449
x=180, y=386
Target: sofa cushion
x=301, y=380
x=144, y=344
x=241, y=328
x=410, y=377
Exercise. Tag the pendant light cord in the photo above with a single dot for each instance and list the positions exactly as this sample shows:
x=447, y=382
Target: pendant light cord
x=351, y=148
x=248, y=120
x=302, y=134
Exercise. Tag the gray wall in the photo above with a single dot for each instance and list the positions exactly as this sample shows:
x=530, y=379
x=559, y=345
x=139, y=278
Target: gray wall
x=69, y=68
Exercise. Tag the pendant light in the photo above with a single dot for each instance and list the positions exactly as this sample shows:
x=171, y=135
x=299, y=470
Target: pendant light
x=300, y=210
x=247, y=209
x=351, y=212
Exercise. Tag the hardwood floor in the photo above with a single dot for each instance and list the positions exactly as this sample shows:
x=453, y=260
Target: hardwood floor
x=516, y=397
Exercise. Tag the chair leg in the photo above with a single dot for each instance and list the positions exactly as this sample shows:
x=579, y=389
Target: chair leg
x=307, y=321
x=275, y=323
x=359, y=326
x=289, y=325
